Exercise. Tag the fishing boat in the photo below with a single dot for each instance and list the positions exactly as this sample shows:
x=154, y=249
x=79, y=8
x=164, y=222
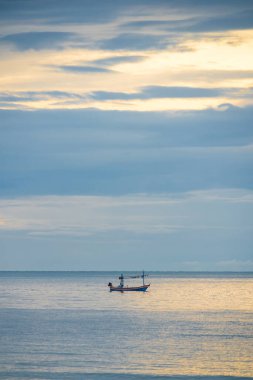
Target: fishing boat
x=122, y=288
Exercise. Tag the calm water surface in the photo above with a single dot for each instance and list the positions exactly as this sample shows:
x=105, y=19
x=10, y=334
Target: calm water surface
x=57, y=325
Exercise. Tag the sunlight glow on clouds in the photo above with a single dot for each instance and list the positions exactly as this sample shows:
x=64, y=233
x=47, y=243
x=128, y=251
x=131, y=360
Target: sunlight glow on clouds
x=104, y=57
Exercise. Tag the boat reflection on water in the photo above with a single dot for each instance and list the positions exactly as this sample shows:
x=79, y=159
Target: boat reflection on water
x=122, y=288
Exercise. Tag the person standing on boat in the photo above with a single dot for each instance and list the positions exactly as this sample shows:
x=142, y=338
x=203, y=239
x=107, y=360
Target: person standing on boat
x=121, y=278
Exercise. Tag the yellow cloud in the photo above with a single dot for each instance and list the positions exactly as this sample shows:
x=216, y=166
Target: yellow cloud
x=158, y=104
x=224, y=54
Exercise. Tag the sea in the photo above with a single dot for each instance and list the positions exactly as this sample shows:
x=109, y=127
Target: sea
x=67, y=325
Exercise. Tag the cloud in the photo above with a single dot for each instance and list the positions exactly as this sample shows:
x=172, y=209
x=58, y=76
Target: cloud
x=215, y=75
x=157, y=24
x=126, y=184
x=62, y=99
x=207, y=230
x=131, y=80
x=82, y=69
x=37, y=40
x=115, y=60
x=62, y=11
x=10, y=98
x=182, y=92
x=152, y=92
x=107, y=95
x=135, y=41
x=234, y=21
x=202, y=23
x=94, y=152
x=136, y=214
x=83, y=11
x=105, y=210
x=28, y=96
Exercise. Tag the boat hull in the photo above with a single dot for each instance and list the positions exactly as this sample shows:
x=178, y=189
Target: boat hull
x=142, y=288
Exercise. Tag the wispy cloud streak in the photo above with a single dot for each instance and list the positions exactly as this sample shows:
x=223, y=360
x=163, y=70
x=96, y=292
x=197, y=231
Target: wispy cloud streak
x=136, y=214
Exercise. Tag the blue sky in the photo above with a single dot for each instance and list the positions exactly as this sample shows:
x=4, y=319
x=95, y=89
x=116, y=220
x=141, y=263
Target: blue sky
x=126, y=135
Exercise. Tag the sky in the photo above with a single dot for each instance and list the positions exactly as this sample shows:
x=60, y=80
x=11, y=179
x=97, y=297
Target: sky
x=126, y=135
